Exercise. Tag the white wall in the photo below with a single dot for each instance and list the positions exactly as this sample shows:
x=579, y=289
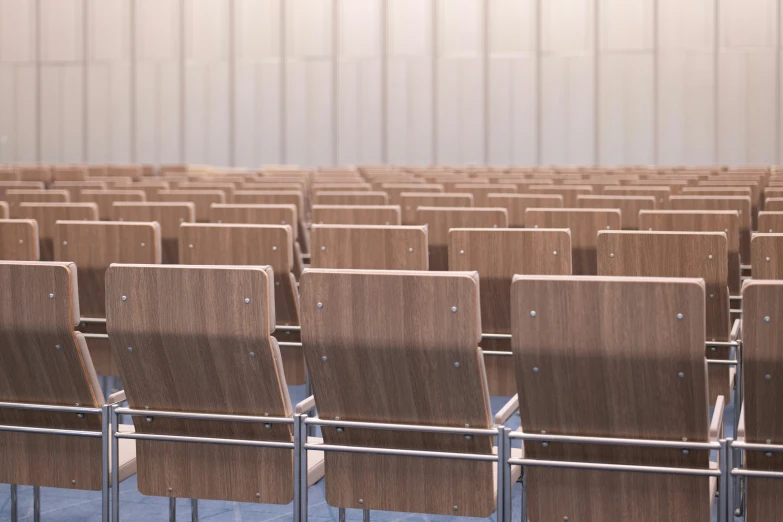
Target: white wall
x=327, y=82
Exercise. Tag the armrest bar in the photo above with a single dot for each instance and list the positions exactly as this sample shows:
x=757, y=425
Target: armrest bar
x=306, y=406
x=507, y=410
x=117, y=397
x=717, y=419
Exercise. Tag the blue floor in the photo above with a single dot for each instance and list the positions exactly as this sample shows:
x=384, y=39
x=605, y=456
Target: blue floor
x=63, y=505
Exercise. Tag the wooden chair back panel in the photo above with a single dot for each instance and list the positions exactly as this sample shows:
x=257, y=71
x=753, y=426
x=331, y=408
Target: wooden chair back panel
x=356, y=215
x=395, y=190
x=351, y=342
x=280, y=197
x=440, y=220
x=411, y=201
x=660, y=193
x=15, y=197
x=150, y=188
x=770, y=205
x=569, y=192
x=189, y=326
x=20, y=185
x=726, y=221
x=771, y=222
x=69, y=173
x=629, y=206
x=3, y=210
x=517, y=204
x=105, y=198
x=584, y=225
x=201, y=199
x=481, y=191
x=40, y=173
x=226, y=188
x=576, y=345
x=350, y=198
x=19, y=240
x=44, y=361
x=767, y=256
x=94, y=245
x=9, y=174
x=47, y=215
x=741, y=204
x=369, y=247
x=248, y=214
x=169, y=215
x=74, y=188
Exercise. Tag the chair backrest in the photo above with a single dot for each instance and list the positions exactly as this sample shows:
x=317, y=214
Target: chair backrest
x=771, y=222
x=249, y=214
x=19, y=185
x=395, y=190
x=149, y=187
x=45, y=362
x=440, y=220
x=356, y=215
x=770, y=205
x=200, y=346
x=239, y=244
x=94, y=245
x=279, y=197
x=352, y=341
x=660, y=193
x=569, y=192
x=15, y=197
x=480, y=191
x=47, y=215
x=570, y=338
x=726, y=221
x=69, y=173
x=411, y=201
x=584, y=225
x=169, y=215
x=227, y=188
x=741, y=204
x=75, y=188
x=42, y=173
x=365, y=247
x=629, y=206
x=350, y=198
x=517, y=204
x=19, y=240
x=106, y=198
x=767, y=256
x=201, y=199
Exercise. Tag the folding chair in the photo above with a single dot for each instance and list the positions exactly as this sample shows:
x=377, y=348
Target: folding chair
x=498, y=254
x=256, y=245
x=395, y=190
x=19, y=240
x=440, y=220
x=15, y=197
x=681, y=254
x=569, y=192
x=19, y=185
x=47, y=215
x=629, y=206
x=75, y=188
x=42, y=173
x=197, y=325
x=363, y=247
x=411, y=201
x=634, y=347
x=660, y=193
x=726, y=221
x=149, y=187
x=201, y=199
x=770, y=205
x=376, y=365
x=69, y=173
x=356, y=215
x=767, y=256
x=49, y=392
x=584, y=225
x=771, y=222
x=350, y=198
x=481, y=191
x=226, y=188
x=9, y=174
x=106, y=198
x=280, y=197
x=517, y=204
x=168, y=215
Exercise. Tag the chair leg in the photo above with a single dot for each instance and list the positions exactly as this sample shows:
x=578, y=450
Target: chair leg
x=194, y=510
x=172, y=509
x=36, y=503
x=14, y=504
x=341, y=514
x=523, y=517
x=366, y=515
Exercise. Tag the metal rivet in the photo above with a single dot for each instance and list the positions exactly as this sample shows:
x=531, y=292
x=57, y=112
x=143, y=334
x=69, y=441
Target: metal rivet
x=456, y=365
x=73, y=482
x=767, y=319
x=51, y=296
x=268, y=426
x=130, y=349
x=361, y=501
x=679, y=317
x=142, y=245
x=685, y=452
x=712, y=296
x=454, y=309
x=282, y=222
x=608, y=227
x=468, y=437
x=611, y=255
x=80, y=415
x=247, y=300
x=149, y=419
x=532, y=313
x=455, y=508
x=323, y=358
x=340, y=430
x=650, y=229
x=768, y=454
x=124, y=298
x=57, y=346
x=277, y=283
x=323, y=248
x=410, y=249
x=274, y=248
x=462, y=252
x=171, y=489
x=767, y=260
x=258, y=495
x=190, y=245
x=535, y=226
x=494, y=226
x=565, y=519
x=554, y=253
x=545, y=444
x=181, y=220
x=320, y=305
x=535, y=369
x=680, y=375
x=21, y=241
x=65, y=243
x=768, y=377
x=709, y=256
x=252, y=354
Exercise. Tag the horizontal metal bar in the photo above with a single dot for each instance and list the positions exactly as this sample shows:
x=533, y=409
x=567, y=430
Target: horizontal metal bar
x=753, y=446
x=727, y=362
x=402, y=452
x=95, y=336
x=615, y=467
x=756, y=473
x=613, y=441
x=316, y=421
x=204, y=416
x=735, y=310
x=288, y=327
x=721, y=344
x=47, y=407
x=496, y=353
x=93, y=320
x=284, y=344
x=204, y=440
x=51, y=431
x=495, y=336
x=736, y=297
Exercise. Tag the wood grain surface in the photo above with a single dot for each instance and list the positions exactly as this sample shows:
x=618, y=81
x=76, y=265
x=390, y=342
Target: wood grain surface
x=366, y=247
x=19, y=240
x=168, y=215
x=356, y=215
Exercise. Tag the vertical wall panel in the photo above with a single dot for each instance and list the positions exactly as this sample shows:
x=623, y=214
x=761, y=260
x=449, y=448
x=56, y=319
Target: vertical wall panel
x=460, y=82
x=158, y=81
x=62, y=81
x=109, y=81
x=747, y=67
x=512, y=81
x=567, y=79
x=309, y=124
x=18, y=81
x=359, y=82
x=258, y=108
x=409, y=110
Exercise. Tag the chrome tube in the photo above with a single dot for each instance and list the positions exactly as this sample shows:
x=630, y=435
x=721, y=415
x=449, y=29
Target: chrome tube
x=115, y=466
x=206, y=440
x=401, y=427
x=402, y=453
x=616, y=467
x=573, y=439
x=105, y=441
x=204, y=416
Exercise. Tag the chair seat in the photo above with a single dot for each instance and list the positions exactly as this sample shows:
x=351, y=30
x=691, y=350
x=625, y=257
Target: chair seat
x=315, y=462
x=127, y=454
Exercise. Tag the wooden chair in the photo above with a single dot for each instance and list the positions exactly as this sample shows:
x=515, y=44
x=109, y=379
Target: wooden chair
x=584, y=225
x=19, y=185
x=149, y=187
x=411, y=201
x=498, y=254
x=201, y=199
x=570, y=338
x=69, y=173
x=134, y=172
x=47, y=363
x=771, y=222
x=726, y=221
x=770, y=205
x=517, y=204
x=40, y=173
x=680, y=254
x=395, y=190
x=350, y=198
x=660, y=193
x=629, y=206
x=227, y=188
x=168, y=215
x=767, y=256
x=9, y=174
x=47, y=215
x=480, y=192
x=75, y=188
x=198, y=325
x=257, y=245
x=280, y=197
x=356, y=215
x=354, y=334
x=440, y=220
x=362, y=247
x=741, y=204
x=19, y=240
x=569, y=192
x=106, y=198
x=15, y=197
